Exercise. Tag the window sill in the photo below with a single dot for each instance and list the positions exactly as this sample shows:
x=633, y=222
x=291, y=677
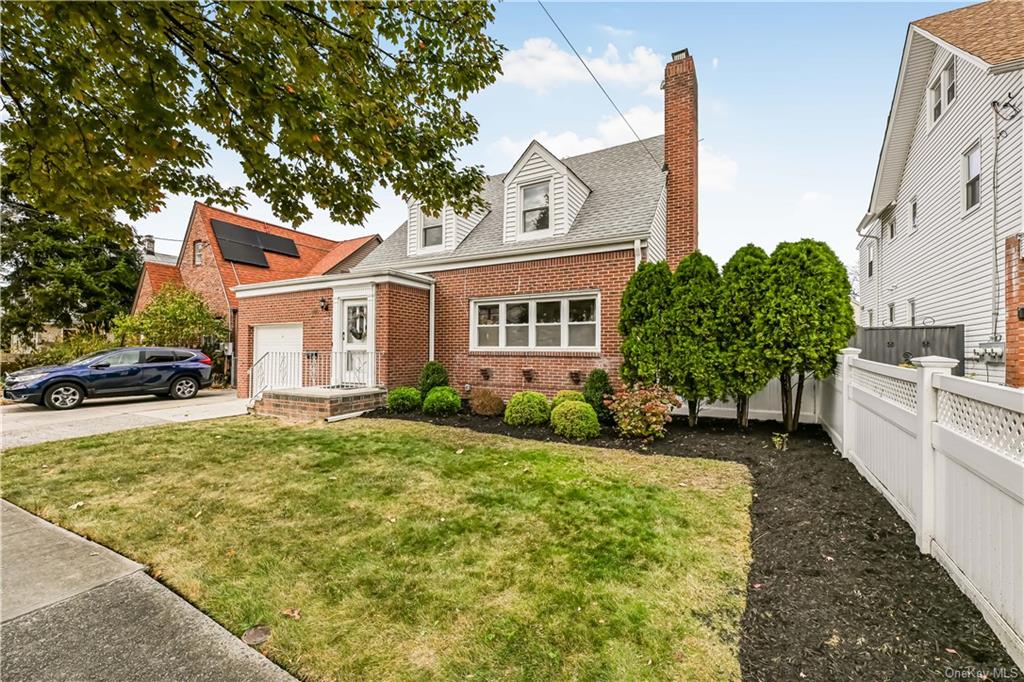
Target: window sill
x=964, y=215
x=535, y=352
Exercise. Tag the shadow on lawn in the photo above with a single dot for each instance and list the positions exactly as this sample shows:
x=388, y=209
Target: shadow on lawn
x=837, y=589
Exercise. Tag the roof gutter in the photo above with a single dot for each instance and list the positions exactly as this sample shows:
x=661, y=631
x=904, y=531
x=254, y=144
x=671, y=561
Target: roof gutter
x=323, y=281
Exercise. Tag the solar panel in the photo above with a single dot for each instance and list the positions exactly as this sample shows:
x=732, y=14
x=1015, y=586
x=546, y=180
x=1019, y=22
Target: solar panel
x=242, y=245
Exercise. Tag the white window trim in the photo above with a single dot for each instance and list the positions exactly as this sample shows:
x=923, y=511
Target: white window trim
x=964, y=210
x=422, y=248
x=533, y=299
x=521, y=233
x=911, y=312
x=943, y=80
x=871, y=259
x=915, y=215
x=197, y=252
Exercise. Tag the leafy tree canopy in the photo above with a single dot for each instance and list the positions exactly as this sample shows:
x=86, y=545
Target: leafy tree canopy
x=175, y=317
x=111, y=106
x=696, y=358
x=745, y=370
x=58, y=274
x=645, y=343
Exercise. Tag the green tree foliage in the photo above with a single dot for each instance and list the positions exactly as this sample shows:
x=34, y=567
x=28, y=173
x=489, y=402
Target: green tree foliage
x=175, y=317
x=432, y=375
x=695, y=361
x=806, y=317
x=111, y=106
x=597, y=389
x=56, y=273
x=642, y=324
x=741, y=339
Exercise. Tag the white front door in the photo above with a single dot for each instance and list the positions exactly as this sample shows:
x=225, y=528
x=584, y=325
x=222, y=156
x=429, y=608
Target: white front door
x=355, y=360
x=277, y=356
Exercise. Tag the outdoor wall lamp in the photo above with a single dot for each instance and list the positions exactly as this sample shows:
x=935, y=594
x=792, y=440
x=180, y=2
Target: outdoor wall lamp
x=574, y=377
x=485, y=373
x=323, y=303
x=527, y=375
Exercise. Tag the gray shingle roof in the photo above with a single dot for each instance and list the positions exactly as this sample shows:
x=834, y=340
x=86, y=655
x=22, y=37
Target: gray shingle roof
x=625, y=185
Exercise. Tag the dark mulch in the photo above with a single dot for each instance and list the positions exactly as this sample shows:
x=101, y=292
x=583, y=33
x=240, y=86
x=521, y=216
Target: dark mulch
x=837, y=589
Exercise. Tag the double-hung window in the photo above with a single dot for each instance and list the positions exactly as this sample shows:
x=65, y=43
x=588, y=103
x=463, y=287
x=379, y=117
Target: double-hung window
x=543, y=323
x=972, y=177
x=197, y=253
x=871, y=259
x=942, y=91
x=433, y=233
x=536, y=207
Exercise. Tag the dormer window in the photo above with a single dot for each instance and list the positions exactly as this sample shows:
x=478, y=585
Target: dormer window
x=433, y=233
x=536, y=207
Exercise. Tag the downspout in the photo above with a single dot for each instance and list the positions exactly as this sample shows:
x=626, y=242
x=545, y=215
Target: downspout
x=995, y=336
x=430, y=325
x=637, y=254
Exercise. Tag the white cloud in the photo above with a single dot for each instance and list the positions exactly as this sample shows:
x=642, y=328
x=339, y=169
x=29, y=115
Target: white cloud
x=541, y=65
x=717, y=171
x=714, y=62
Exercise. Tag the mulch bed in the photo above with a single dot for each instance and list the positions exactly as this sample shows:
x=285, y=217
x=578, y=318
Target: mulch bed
x=837, y=588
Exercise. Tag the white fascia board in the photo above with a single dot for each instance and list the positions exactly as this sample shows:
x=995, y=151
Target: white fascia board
x=624, y=243
x=962, y=54
x=889, y=121
x=287, y=286
x=551, y=159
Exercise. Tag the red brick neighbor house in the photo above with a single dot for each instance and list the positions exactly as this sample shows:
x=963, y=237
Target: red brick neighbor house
x=523, y=294
x=222, y=250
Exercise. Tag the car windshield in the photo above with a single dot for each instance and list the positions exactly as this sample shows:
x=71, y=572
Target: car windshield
x=89, y=357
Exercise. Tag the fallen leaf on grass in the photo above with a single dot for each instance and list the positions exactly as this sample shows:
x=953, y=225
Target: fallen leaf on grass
x=256, y=635
x=198, y=514
x=294, y=614
x=77, y=505
x=460, y=451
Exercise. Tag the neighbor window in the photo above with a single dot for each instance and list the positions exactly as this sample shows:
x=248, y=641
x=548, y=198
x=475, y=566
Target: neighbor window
x=536, y=204
x=197, y=253
x=913, y=215
x=542, y=323
x=433, y=233
x=935, y=93
x=892, y=313
x=912, y=312
x=892, y=229
x=943, y=90
x=972, y=177
x=871, y=318
x=949, y=76
x=871, y=259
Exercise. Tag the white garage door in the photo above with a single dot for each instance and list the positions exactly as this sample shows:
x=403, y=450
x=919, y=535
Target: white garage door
x=277, y=356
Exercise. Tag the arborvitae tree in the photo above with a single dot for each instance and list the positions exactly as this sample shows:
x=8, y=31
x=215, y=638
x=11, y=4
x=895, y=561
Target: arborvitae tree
x=645, y=346
x=806, y=317
x=745, y=370
x=695, y=359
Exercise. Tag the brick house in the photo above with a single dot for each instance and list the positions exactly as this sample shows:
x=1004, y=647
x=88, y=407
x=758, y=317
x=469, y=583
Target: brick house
x=221, y=250
x=523, y=294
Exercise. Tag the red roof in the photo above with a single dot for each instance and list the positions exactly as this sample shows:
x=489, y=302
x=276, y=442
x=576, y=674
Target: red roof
x=314, y=252
x=161, y=274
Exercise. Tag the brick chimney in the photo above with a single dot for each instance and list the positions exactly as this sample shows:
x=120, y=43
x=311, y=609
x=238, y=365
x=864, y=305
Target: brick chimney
x=681, y=156
x=148, y=245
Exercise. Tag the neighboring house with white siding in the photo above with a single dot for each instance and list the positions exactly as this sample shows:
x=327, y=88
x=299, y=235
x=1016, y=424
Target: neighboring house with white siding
x=947, y=197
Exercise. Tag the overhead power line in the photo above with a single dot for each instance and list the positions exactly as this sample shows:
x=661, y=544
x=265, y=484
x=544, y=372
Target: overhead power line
x=585, y=66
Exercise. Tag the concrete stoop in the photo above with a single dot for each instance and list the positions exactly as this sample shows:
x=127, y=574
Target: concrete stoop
x=315, y=404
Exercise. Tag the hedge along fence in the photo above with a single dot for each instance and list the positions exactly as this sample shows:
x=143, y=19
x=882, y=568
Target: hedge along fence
x=948, y=454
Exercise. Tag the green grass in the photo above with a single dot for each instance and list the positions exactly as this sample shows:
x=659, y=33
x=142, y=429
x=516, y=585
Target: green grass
x=419, y=552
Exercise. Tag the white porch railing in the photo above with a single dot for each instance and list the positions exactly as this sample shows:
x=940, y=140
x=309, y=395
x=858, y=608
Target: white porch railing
x=312, y=369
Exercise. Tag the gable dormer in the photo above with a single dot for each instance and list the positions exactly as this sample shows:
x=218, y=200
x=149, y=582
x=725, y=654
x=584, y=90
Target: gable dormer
x=542, y=196
x=430, y=233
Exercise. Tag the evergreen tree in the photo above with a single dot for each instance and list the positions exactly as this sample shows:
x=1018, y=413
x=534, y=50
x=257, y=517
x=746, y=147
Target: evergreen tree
x=745, y=370
x=695, y=361
x=645, y=344
x=806, y=317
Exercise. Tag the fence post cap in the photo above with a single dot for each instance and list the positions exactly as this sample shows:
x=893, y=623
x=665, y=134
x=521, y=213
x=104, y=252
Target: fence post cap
x=850, y=351
x=935, y=361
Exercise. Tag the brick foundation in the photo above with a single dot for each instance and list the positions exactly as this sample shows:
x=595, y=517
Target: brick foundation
x=1014, y=301
x=317, y=407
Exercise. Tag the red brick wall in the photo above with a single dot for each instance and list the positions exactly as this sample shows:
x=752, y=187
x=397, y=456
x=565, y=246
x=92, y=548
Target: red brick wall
x=681, y=157
x=144, y=294
x=606, y=272
x=303, y=306
x=1014, y=299
x=205, y=278
x=402, y=333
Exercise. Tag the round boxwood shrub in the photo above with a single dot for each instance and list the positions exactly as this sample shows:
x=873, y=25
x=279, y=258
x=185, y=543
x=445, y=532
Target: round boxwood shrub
x=404, y=399
x=484, y=401
x=442, y=401
x=433, y=374
x=575, y=419
x=566, y=396
x=527, y=408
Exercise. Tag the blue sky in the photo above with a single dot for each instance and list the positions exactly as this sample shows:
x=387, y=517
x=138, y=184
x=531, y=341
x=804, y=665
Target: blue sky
x=793, y=103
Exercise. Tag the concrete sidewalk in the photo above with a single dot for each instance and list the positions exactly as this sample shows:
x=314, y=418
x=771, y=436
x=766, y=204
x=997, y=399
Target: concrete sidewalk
x=73, y=610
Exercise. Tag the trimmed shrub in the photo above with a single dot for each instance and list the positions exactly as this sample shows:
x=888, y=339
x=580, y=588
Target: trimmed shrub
x=642, y=412
x=434, y=374
x=484, y=401
x=404, y=399
x=575, y=419
x=527, y=408
x=565, y=397
x=596, y=391
x=442, y=401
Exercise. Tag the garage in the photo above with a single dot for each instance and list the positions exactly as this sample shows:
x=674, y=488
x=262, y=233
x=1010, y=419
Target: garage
x=277, y=356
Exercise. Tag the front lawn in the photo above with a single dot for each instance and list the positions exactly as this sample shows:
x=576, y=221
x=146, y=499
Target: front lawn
x=414, y=551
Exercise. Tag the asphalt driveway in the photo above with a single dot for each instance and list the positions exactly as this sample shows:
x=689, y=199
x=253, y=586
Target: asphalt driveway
x=22, y=424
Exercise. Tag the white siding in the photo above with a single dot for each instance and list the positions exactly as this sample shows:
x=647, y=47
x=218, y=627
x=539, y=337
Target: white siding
x=566, y=197
x=657, y=245
x=455, y=227
x=945, y=265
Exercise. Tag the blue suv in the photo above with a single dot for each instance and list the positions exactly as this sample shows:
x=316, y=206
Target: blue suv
x=175, y=372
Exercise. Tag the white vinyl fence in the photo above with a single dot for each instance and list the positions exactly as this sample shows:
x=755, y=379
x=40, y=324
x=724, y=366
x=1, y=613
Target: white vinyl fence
x=948, y=455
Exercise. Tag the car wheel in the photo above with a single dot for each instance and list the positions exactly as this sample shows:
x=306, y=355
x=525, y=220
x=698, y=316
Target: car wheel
x=65, y=396
x=184, y=388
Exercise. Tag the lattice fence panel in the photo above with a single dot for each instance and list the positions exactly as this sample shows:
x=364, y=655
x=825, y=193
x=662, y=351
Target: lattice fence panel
x=897, y=391
x=994, y=427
